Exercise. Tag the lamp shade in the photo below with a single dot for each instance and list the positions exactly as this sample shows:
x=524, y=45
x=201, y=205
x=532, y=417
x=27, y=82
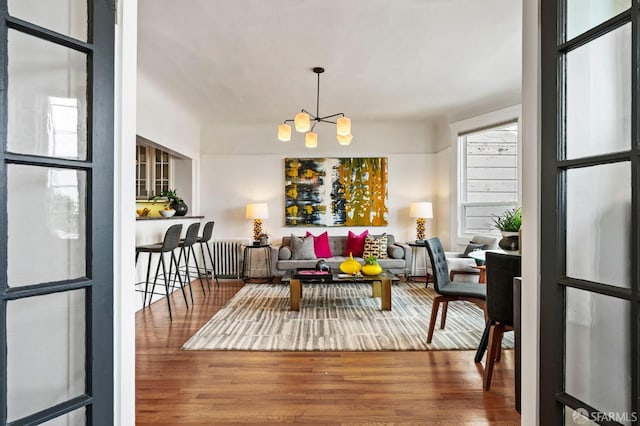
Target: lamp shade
x=311, y=140
x=302, y=122
x=284, y=132
x=257, y=211
x=343, y=126
x=344, y=139
x=422, y=209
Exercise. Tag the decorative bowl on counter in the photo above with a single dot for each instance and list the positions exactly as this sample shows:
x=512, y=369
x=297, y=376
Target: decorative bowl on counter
x=167, y=213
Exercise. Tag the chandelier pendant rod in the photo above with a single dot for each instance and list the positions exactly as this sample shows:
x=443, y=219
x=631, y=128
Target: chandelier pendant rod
x=318, y=95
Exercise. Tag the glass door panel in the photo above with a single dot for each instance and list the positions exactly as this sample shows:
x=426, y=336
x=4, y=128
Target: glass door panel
x=46, y=210
x=598, y=102
x=583, y=15
x=74, y=418
x=68, y=17
x=579, y=417
x=598, y=236
x=45, y=351
x=47, y=95
x=597, y=360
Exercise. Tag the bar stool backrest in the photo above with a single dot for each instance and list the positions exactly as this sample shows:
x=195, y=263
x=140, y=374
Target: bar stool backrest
x=192, y=234
x=172, y=238
x=207, y=231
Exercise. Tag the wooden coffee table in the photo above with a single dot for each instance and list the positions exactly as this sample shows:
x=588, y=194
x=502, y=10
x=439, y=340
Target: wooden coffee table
x=380, y=285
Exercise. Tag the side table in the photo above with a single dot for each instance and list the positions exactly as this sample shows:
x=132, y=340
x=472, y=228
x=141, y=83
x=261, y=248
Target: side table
x=247, y=262
x=413, y=267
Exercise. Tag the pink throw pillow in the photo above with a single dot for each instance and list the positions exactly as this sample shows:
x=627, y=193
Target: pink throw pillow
x=355, y=244
x=321, y=244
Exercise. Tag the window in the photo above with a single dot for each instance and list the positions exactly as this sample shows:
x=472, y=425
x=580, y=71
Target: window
x=153, y=171
x=489, y=176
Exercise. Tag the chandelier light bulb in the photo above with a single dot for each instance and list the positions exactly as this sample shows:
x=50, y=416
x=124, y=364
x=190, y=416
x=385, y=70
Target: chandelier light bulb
x=302, y=122
x=311, y=140
x=344, y=139
x=284, y=132
x=343, y=126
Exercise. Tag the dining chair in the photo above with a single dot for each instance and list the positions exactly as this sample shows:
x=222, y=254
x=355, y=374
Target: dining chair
x=449, y=291
x=501, y=270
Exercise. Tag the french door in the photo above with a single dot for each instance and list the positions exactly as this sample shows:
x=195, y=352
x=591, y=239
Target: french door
x=56, y=216
x=590, y=238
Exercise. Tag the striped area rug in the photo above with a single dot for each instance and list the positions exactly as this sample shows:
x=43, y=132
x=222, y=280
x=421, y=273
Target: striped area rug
x=337, y=317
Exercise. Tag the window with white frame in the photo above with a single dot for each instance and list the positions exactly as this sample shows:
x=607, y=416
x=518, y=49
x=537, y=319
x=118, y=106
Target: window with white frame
x=153, y=171
x=489, y=176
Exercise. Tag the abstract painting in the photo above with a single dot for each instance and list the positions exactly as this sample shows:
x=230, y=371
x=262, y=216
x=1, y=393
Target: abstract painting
x=336, y=192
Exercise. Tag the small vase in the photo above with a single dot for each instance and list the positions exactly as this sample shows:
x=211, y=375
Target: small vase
x=350, y=266
x=180, y=208
x=374, y=269
x=510, y=241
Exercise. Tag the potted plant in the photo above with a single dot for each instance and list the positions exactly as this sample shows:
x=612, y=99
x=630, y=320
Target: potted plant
x=176, y=202
x=371, y=266
x=509, y=225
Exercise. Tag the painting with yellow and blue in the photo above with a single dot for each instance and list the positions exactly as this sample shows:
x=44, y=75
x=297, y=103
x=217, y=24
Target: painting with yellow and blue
x=336, y=191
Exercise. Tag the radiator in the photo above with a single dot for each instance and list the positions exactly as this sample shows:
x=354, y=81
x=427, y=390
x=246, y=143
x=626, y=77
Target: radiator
x=227, y=257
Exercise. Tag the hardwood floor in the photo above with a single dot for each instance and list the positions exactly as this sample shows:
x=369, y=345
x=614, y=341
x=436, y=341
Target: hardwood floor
x=175, y=387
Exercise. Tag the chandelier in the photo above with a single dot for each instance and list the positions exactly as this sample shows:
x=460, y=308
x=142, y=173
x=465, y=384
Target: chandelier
x=302, y=123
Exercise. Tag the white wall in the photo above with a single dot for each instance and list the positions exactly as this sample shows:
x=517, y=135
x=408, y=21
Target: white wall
x=124, y=328
x=231, y=182
x=162, y=120
x=530, y=244
x=370, y=138
x=442, y=191
x=233, y=174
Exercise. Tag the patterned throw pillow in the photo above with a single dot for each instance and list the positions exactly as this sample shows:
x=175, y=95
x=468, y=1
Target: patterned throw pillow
x=375, y=246
x=302, y=248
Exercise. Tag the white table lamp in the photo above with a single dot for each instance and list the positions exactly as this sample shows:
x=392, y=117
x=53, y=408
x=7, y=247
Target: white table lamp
x=421, y=211
x=257, y=212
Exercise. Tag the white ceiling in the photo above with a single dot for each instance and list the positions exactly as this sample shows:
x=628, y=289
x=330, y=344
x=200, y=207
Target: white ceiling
x=239, y=60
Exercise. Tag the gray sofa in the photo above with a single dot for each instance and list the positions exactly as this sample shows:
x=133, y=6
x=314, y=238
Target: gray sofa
x=281, y=262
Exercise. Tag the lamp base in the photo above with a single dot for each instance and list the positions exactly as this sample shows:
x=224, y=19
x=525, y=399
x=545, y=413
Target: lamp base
x=420, y=241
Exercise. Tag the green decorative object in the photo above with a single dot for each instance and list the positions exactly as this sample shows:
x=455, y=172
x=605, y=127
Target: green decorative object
x=509, y=225
x=510, y=221
x=176, y=202
x=371, y=267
